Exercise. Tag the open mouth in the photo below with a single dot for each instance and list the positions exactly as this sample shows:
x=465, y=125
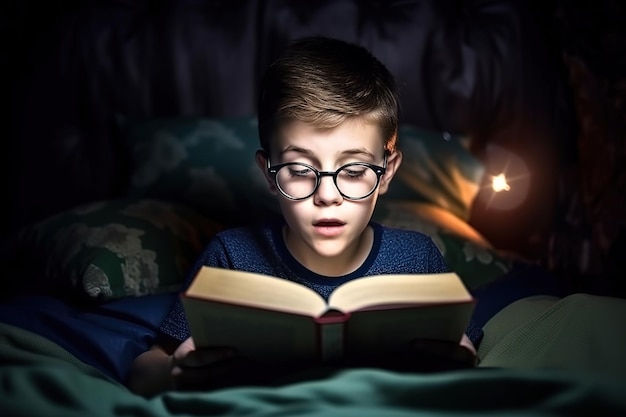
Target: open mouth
x=330, y=228
x=329, y=223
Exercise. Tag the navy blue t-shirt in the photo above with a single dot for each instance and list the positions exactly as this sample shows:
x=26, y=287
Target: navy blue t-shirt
x=263, y=250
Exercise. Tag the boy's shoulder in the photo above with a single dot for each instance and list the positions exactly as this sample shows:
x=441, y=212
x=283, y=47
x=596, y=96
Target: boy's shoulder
x=408, y=251
x=388, y=232
x=395, y=239
x=251, y=233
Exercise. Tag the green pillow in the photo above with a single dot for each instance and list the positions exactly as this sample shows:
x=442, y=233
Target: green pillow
x=437, y=169
x=476, y=263
x=114, y=249
x=208, y=164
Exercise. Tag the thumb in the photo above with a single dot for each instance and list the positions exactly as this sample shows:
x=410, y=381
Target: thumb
x=184, y=348
x=186, y=355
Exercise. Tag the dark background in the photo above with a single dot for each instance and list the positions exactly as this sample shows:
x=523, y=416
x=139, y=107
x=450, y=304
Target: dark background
x=575, y=226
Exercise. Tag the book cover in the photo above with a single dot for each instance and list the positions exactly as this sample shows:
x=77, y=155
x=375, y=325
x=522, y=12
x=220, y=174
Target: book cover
x=272, y=319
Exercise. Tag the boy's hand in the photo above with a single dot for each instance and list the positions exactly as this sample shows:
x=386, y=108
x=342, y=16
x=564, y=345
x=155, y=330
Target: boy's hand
x=193, y=368
x=423, y=356
x=437, y=355
x=219, y=367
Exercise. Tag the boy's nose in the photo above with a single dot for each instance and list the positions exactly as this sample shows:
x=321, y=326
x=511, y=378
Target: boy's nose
x=327, y=192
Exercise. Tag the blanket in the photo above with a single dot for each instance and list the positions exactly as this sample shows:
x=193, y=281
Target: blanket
x=584, y=333
x=39, y=378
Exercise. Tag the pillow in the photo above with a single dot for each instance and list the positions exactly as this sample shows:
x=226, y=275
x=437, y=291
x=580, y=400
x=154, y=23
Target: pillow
x=467, y=254
x=208, y=164
x=113, y=249
x=437, y=169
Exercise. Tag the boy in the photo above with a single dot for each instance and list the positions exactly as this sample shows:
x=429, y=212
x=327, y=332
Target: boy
x=328, y=120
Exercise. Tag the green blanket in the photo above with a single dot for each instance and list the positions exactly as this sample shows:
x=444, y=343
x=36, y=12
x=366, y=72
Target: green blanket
x=40, y=379
x=581, y=333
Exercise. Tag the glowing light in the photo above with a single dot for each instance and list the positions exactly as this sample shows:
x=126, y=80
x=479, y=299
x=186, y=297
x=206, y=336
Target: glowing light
x=507, y=172
x=498, y=183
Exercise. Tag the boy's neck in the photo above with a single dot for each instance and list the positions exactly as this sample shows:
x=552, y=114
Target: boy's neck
x=342, y=264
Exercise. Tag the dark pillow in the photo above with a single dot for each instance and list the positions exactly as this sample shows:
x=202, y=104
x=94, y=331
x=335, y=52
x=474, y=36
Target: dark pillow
x=208, y=164
x=113, y=249
x=437, y=169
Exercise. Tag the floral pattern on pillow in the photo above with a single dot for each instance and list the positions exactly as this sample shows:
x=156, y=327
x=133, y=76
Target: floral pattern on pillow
x=116, y=248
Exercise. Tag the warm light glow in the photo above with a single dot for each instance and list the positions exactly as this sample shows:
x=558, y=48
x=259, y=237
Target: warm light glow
x=499, y=183
x=507, y=172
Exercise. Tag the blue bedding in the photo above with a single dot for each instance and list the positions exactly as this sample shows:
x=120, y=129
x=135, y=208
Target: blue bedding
x=107, y=336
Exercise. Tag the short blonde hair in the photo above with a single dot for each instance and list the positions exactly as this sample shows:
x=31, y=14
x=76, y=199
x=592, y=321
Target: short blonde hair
x=324, y=82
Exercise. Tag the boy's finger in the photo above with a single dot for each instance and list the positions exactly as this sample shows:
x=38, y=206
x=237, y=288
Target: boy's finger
x=204, y=357
x=449, y=350
x=204, y=377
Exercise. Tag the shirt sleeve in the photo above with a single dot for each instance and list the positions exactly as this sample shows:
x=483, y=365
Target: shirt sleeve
x=436, y=261
x=175, y=323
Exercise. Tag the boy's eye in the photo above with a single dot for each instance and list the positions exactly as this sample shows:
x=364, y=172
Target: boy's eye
x=353, y=173
x=300, y=172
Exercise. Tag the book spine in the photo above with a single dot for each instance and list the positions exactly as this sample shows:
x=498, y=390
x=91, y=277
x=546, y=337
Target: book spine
x=331, y=341
x=331, y=336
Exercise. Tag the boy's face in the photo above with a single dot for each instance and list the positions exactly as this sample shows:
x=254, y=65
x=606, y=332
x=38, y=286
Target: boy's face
x=326, y=227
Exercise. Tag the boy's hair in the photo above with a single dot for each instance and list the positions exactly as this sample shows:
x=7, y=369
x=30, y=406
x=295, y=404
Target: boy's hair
x=323, y=82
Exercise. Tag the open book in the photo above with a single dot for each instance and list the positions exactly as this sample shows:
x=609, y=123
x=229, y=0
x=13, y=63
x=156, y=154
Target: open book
x=273, y=319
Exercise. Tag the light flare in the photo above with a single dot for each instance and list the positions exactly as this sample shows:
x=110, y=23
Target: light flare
x=499, y=183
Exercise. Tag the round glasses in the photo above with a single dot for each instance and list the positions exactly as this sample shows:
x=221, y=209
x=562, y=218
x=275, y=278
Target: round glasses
x=354, y=181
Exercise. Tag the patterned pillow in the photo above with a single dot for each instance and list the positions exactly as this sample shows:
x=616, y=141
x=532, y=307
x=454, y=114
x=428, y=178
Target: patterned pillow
x=114, y=249
x=208, y=164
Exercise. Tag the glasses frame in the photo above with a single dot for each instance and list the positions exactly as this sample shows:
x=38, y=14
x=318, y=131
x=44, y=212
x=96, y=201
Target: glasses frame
x=378, y=170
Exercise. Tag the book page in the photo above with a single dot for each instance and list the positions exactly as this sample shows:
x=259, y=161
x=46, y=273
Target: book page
x=255, y=290
x=257, y=334
x=389, y=331
x=389, y=291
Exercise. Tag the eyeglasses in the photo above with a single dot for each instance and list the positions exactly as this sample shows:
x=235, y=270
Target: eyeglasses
x=354, y=181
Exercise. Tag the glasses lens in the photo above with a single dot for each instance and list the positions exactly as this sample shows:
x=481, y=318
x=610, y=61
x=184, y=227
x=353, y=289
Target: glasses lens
x=296, y=180
x=356, y=181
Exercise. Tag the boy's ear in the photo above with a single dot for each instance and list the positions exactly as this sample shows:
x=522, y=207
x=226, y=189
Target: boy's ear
x=261, y=161
x=393, y=163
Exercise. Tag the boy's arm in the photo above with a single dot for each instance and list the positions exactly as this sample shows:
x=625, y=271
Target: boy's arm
x=156, y=370
x=150, y=372
x=170, y=364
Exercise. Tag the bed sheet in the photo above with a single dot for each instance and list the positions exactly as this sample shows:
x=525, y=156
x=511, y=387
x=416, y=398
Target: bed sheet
x=40, y=379
x=522, y=371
